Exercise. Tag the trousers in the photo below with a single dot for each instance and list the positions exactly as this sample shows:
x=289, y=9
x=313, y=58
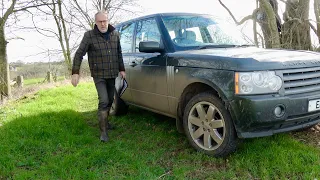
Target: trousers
x=105, y=89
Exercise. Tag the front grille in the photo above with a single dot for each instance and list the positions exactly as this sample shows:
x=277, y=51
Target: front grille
x=297, y=81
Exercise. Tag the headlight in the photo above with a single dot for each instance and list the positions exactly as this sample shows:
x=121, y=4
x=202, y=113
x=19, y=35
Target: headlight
x=258, y=82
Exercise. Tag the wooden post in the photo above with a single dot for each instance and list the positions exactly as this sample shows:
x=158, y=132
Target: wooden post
x=20, y=81
x=49, y=77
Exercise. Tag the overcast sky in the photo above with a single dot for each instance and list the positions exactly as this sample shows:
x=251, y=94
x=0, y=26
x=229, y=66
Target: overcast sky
x=33, y=43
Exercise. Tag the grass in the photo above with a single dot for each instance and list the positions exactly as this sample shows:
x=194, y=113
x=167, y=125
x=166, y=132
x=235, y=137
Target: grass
x=54, y=135
x=38, y=80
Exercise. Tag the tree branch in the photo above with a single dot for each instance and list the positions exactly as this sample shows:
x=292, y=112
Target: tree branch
x=34, y=6
x=83, y=13
x=2, y=9
x=244, y=19
x=262, y=39
x=40, y=29
x=313, y=28
x=8, y=12
x=80, y=22
x=107, y=5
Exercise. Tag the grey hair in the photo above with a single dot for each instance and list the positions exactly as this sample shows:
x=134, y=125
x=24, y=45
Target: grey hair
x=100, y=12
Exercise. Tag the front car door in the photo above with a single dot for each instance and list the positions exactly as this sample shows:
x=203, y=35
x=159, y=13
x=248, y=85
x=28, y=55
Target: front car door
x=148, y=70
x=126, y=37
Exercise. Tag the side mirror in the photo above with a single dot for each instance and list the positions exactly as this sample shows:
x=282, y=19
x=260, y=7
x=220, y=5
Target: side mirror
x=150, y=47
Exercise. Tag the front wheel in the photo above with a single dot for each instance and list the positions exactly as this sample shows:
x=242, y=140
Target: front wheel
x=208, y=125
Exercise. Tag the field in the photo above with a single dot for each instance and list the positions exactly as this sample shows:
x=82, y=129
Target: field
x=53, y=134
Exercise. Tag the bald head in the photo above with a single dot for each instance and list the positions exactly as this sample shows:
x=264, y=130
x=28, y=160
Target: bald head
x=100, y=13
x=101, y=19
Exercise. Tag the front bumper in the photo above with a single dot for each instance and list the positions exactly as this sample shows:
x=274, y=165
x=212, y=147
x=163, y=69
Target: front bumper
x=254, y=116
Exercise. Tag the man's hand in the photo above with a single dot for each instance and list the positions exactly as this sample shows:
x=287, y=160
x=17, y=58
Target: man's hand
x=75, y=79
x=123, y=74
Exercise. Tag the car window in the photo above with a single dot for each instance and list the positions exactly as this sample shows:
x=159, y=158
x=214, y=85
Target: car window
x=118, y=29
x=188, y=31
x=147, y=30
x=126, y=35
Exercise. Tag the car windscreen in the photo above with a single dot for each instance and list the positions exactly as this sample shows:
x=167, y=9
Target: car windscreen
x=202, y=31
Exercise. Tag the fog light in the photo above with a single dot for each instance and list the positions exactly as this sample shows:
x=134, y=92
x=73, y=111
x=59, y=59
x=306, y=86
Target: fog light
x=279, y=111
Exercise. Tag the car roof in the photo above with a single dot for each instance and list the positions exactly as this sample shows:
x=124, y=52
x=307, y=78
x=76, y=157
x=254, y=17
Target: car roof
x=161, y=15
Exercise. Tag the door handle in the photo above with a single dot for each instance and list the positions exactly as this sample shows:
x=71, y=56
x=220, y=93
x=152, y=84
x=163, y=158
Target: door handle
x=133, y=64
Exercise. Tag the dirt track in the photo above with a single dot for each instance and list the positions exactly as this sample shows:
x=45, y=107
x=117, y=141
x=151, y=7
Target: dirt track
x=309, y=136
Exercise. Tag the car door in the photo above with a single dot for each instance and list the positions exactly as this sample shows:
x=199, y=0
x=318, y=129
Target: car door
x=148, y=70
x=126, y=41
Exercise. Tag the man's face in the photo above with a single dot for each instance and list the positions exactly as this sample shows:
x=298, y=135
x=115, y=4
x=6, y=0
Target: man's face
x=102, y=22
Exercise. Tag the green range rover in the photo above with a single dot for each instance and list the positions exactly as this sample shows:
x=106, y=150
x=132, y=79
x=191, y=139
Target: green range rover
x=201, y=71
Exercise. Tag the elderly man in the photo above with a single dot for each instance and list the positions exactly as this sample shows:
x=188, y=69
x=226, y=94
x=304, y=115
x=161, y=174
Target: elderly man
x=105, y=61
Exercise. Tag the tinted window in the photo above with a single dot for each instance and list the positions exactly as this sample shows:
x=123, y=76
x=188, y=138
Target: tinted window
x=147, y=30
x=126, y=35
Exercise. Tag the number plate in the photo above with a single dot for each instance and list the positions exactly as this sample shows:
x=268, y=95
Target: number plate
x=314, y=105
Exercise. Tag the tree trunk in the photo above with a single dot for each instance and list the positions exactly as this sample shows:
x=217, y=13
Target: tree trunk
x=66, y=52
x=268, y=23
x=317, y=15
x=5, y=89
x=62, y=34
x=296, y=28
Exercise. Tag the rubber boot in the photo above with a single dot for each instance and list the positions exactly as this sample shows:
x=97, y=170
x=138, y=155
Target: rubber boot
x=108, y=125
x=103, y=116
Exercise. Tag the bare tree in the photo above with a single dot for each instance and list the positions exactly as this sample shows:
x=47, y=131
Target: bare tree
x=293, y=33
x=115, y=8
x=83, y=19
x=72, y=17
x=243, y=20
x=63, y=34
x=263, y=14
x=10, y=8
x=296, y=28
x=66, y=50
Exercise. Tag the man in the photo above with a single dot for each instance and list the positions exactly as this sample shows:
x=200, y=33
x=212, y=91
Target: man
x=105, y=61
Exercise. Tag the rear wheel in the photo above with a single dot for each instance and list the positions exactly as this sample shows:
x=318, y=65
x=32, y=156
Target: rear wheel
x=208, y=125
x=119, y=107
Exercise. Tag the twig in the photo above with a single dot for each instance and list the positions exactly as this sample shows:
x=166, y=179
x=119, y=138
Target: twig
x=164, y=174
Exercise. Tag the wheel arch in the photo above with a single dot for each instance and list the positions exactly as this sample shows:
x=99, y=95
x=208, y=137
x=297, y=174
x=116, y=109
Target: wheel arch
x=190, y=90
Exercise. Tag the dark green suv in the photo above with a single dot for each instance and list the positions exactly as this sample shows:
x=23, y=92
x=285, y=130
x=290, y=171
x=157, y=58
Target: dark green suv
x=201, y=71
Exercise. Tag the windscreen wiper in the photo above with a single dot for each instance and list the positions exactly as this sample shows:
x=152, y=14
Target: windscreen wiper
x=224, y=46
x=245, y=45
x=217, y=46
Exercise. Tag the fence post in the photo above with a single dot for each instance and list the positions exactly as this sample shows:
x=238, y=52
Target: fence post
x=20, y=81
x=49, y=77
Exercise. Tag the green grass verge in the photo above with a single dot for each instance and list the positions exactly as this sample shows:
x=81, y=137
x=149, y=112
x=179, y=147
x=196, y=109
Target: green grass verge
x=38, y=80
x=32, y=81
x=54, y=135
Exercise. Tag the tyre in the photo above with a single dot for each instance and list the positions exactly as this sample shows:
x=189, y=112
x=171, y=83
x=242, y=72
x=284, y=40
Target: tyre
x=119, y=107
x=208, y=125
